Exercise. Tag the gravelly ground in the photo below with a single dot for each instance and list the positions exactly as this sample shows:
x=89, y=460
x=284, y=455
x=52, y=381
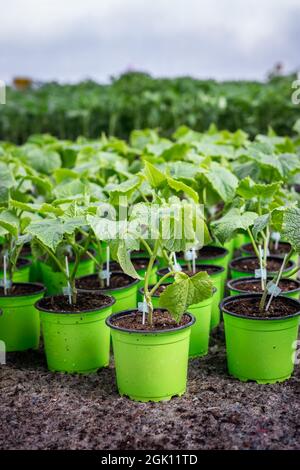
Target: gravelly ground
x=43, y=410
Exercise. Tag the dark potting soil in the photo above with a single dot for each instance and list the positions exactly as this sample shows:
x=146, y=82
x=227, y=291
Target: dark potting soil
x=40, y=409
x=138, y=263
x=92, y=282
x=162, y=320
x=21, y=289
x=250, y=307
x=285, y=285
x=249, y=265
x=184, y=269
x=60, y=303
x=20, y=263
x=283, y=248
x=211, y=252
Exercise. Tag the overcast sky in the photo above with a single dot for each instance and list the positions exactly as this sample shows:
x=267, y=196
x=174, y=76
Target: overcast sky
x=69, y=40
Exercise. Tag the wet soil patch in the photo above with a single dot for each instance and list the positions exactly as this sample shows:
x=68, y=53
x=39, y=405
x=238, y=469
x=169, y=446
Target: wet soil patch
x=92, y=282
x=162, y=320
x=249, y=265
x=60, y=303
x=138, y=263
x=285, y=285
x=280, y=307
x=283, y=249
x=210, y=269
x=22, y=289
x=21, y=263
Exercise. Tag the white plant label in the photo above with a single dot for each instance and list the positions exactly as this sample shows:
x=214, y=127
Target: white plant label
x=143, y=307
x=276, y=238
x=177, y=266
x=273, y=289
x=67, y=290
x=261, y=273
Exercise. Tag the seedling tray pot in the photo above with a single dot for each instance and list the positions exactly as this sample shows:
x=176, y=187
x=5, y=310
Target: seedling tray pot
x=259, y=349
x=150, y=366
x=20, y=320
x=76, y=342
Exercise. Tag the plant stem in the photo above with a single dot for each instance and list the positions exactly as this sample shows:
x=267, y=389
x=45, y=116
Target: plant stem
x=146, y=285
x=146, y=245
x=253, y=242
x=275, y=279
x=292, y=273
x=161, y=281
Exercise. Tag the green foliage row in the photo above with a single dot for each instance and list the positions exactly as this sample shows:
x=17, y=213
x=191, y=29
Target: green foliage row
x=137, y=101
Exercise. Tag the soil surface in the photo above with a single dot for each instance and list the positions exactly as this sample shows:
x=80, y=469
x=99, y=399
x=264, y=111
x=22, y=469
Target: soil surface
x=283, y=248
x=91, y=282
x=162, y=320
x=138, y=263
x=45, y=410
x=211, y=252
x=280, y=307
x=285, y=285
x=60, y=303
x=20, y=263
x=22, y=289
x=249, y=265
x=210, y=269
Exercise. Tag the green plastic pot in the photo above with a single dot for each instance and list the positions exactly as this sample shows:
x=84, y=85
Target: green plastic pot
x=22, y=273
x=142, y=272
x=200, y=330
x=125, y=297
x=240, y=239
x=259, y=349
x=246, y=251
x=222, y=259
x=150, y=365
x=34, y=271
x=229, y=246
x=20, y=321
x=236, y=273
x=55, y=281
x=76, y=342
x=234, y=290
x=218, y=282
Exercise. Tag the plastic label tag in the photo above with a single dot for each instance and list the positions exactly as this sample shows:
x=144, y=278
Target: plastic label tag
x=6, y=283
x=177, y=268
x=273, y=289
x=104, y=274
x=188, y=255
x=276, y=236
x=260, y=273
x=67, y=290
x=143, y=307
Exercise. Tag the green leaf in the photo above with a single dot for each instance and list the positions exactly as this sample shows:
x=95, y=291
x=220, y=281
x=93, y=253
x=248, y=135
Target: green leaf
x=248, y=189
x=260, y=224
x=52, y=231
x=291, y=227
x=184, y=292
x=127, y=188
x=180, y=186
x=223, y=181
x=123, y=257
x=7, y=179
x=42, y=160
x=154, y=176
x=225, y=228
x=10, y=223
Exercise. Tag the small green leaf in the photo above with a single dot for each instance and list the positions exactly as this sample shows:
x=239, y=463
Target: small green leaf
x=184, y=292
x=226, y=227
x=291, y=227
